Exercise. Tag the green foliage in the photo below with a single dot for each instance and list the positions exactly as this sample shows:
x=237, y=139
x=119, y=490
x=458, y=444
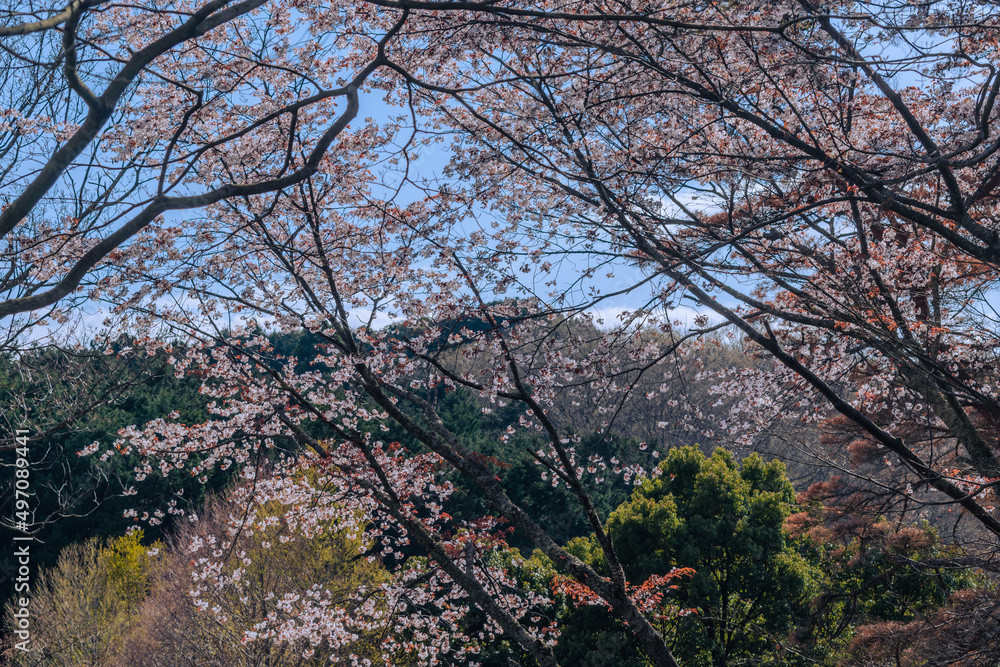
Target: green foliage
x=592, y=637
x=726, y=521
x=873, y=573
x=127, y=566
x=86, y=605
x=533, y=573
x=82, y=495
x=555, y=508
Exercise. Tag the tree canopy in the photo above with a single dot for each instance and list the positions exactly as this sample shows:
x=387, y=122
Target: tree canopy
x=725, y=521
x=812, y=185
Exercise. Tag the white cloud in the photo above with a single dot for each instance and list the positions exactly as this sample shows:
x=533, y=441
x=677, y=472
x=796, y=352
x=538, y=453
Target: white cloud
x=682, y=317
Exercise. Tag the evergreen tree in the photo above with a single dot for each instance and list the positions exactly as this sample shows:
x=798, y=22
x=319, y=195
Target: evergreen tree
x=726, y=521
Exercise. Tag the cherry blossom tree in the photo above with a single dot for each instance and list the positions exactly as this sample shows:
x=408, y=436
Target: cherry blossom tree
x=820, y=179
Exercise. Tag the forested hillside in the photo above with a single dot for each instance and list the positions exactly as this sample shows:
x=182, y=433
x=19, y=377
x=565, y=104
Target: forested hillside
x=756, y=568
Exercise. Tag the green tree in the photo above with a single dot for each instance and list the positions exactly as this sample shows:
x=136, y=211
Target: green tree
x=85, y=607
x=726, y=521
